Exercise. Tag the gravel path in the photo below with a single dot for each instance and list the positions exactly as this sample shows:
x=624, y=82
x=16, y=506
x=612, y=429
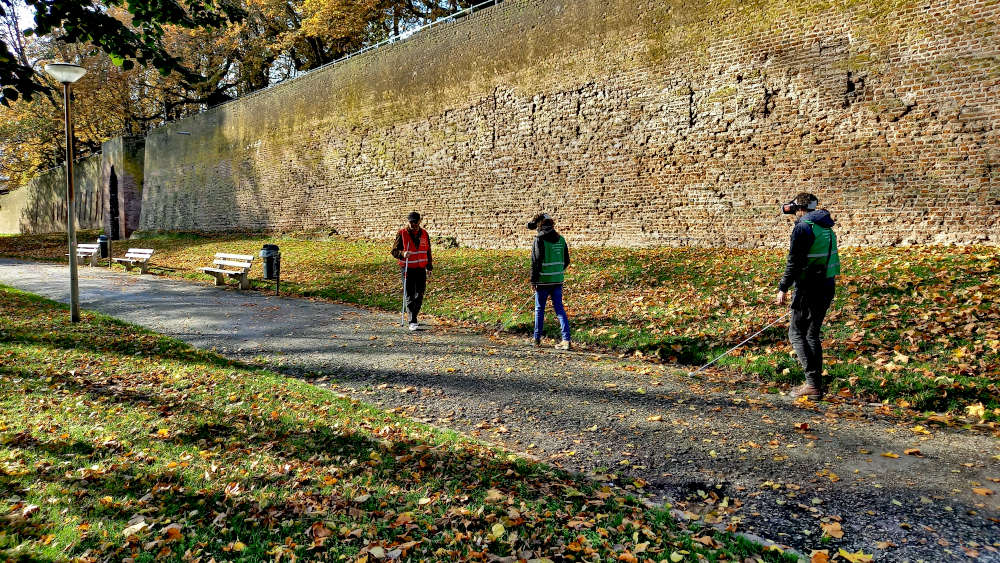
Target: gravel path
x=721, y=451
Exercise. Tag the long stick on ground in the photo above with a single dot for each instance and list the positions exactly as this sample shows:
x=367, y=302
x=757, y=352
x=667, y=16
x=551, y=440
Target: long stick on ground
x=515, y=312
x=406, y=268
x=748, y=339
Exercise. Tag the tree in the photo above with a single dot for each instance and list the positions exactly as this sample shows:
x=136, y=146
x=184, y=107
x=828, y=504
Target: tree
x=138, y=39
x=216, y=52
x=31, y=130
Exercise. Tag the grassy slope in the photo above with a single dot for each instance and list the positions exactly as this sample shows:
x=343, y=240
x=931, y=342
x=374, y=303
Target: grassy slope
x=104, y=425
x=915, y=325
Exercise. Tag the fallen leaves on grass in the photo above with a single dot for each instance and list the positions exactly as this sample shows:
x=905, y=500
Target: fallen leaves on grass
x=142, y=448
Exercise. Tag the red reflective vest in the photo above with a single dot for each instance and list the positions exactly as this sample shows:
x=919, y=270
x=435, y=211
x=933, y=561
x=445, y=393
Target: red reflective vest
x=418, y=256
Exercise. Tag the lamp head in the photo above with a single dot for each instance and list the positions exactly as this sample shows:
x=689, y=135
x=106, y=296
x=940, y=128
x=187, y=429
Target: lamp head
x=66, y=73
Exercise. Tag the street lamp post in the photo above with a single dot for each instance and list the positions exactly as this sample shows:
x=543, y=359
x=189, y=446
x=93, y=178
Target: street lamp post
x=67, y=74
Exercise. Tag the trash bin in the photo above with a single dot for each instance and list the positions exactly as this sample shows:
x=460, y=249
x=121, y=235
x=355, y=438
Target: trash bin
x=103, y=241
x=272, y=261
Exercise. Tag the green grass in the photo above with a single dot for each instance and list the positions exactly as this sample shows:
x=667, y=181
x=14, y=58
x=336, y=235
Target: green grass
x=915, y=326
x=106, y=427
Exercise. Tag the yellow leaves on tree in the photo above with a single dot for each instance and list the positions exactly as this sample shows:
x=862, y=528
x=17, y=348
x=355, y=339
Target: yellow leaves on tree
x=337, y=20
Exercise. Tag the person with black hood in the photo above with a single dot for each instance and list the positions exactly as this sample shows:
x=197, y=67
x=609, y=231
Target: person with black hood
x=549, y=260
x=812, y=267
x=413, y=251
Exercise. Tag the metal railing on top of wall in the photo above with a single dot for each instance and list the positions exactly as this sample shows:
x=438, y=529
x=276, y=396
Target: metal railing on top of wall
x=388, y=41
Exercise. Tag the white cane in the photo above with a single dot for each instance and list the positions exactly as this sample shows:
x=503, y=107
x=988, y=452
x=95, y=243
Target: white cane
x=748, y=339
x=406, y=268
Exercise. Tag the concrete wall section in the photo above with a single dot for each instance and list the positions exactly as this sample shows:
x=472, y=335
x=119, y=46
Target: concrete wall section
x=636, y=122
x=11, y=207
x=40, y=206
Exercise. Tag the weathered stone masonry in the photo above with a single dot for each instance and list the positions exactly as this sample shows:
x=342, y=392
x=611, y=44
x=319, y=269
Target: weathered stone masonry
x=637, y=123
x=107, y=185
x=121, y=177
x=40, y=206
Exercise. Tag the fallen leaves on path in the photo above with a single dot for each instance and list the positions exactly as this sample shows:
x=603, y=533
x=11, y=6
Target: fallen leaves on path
x=832, y=529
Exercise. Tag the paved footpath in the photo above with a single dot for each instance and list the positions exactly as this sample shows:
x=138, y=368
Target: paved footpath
x=720, y=451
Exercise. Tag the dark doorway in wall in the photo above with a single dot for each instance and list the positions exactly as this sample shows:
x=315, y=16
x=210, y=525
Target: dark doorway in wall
x=113, y=205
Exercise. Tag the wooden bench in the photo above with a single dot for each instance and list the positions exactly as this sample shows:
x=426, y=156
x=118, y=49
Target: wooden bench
x=88, y=252
x=136, y=257
x=239, y=262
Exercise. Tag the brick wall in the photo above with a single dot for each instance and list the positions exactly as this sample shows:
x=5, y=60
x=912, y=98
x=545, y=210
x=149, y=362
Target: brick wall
x=636, y=122
x=40, y=206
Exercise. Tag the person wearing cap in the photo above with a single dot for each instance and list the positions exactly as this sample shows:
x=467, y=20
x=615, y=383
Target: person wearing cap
x=549, y=260
x=812, y=268
x=413, y=251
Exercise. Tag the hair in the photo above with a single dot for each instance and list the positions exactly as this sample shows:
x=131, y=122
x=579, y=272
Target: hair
x=804, y=199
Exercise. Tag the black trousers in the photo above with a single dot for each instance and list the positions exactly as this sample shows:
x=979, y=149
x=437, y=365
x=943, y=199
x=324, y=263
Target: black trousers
x=805, y=333
x=415, y=282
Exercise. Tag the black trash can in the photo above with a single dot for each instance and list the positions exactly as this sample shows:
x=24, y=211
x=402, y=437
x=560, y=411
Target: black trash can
x=272, y=261
x=104, y=242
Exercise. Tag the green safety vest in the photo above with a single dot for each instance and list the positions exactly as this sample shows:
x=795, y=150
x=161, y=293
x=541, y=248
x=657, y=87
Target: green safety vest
x=823, y=258
x=553, y=261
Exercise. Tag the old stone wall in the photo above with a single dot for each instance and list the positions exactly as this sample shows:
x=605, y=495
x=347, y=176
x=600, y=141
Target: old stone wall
x=635, y=122
x=40, y=206
x=121, y=180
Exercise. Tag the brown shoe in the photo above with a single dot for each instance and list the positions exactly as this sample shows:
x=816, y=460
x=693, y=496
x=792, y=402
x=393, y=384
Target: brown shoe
x=805, y=390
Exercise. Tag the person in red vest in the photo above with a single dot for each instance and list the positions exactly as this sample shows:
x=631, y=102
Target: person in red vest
x=413, y=250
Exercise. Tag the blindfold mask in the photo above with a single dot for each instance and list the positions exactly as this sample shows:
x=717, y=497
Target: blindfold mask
x=534, y=224
x=791, y=207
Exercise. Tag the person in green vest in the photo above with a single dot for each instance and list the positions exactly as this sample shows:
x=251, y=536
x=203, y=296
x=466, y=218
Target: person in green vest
x=549, y=260
x=812, y=268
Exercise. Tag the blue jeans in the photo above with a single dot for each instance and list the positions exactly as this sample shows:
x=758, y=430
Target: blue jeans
x=542, y=294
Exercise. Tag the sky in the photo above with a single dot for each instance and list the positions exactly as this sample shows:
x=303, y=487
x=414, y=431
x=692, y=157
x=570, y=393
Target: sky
x=26, y=16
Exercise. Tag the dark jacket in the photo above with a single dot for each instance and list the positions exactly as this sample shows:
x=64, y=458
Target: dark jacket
x=818, y=286
x=397, y=247
x=548, y=233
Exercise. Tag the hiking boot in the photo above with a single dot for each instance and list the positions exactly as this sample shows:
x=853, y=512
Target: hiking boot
x=564, y=345
x=805, y=390
x=536, y=342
